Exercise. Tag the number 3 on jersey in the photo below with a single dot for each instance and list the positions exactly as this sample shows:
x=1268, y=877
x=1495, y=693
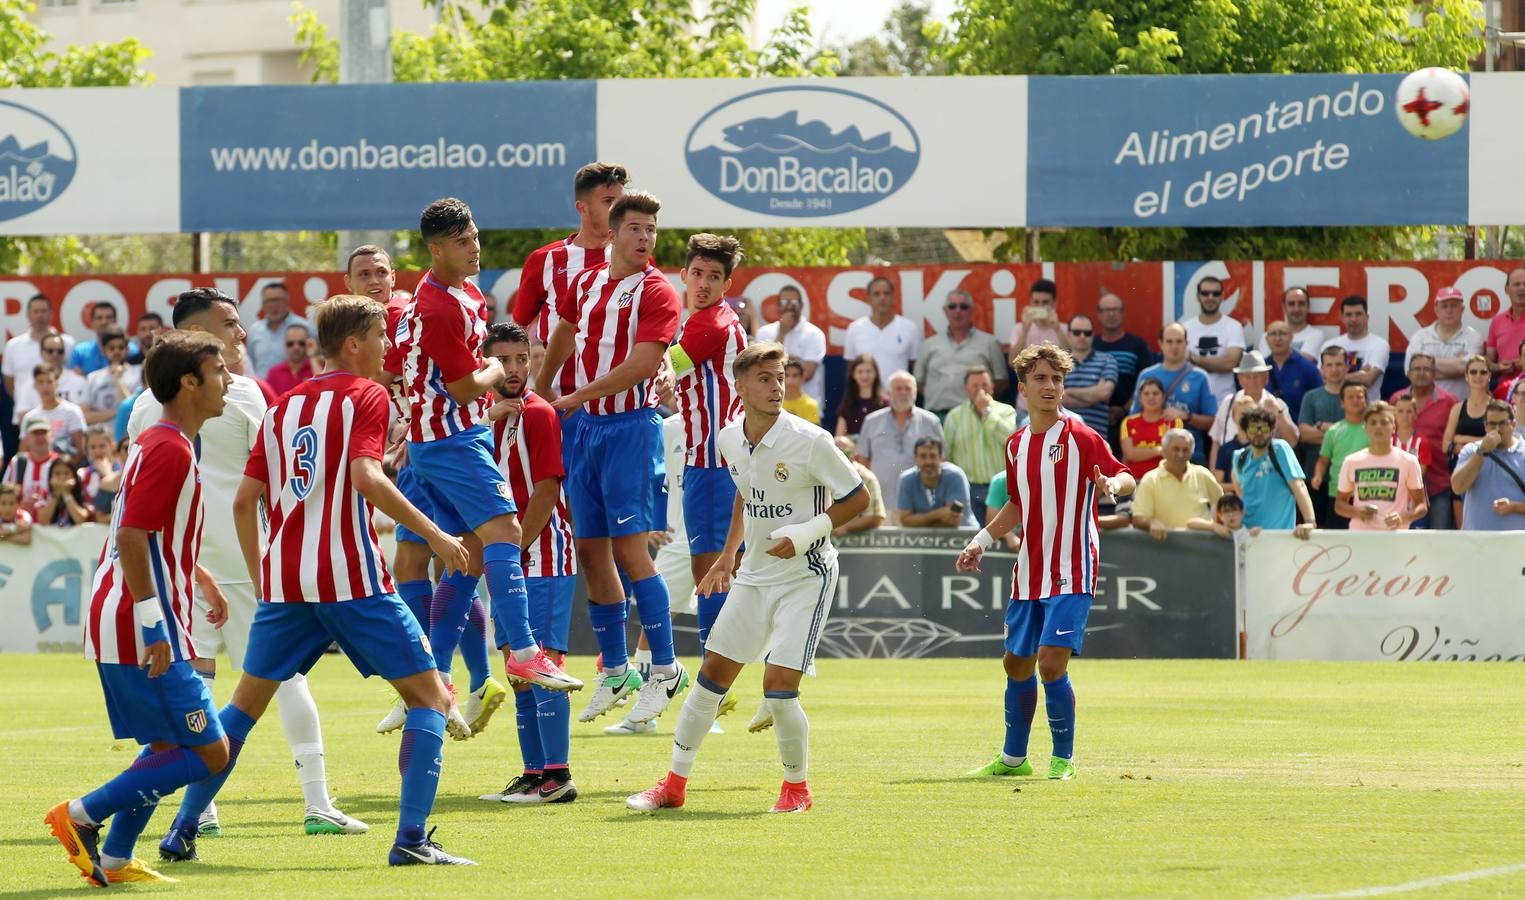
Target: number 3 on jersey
x=304, y=461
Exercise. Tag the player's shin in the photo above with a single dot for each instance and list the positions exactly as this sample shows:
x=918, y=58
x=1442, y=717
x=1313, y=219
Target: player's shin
x=419, y=759
x=530, y=746
x=447, y=612
x=474, y=644
x=608, y=620
x=1021, y=704
x=793, y=731
x=1059, y=697
x=236, y=724
x=151, y=775
x=654, y=606
x=694, y=721
x=709, y=610
x=304, y=732
x=553, y=715
x=510, y=600
x=417, y=596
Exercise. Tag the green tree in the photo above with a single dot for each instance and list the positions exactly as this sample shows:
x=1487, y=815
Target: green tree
x=910, y=43
x=28, y=59
x=1167, y=37
x=485, y=40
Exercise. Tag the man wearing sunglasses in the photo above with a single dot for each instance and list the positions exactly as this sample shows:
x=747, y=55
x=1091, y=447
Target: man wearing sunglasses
x=22, y=355
x=946, y=358
x=1215, y=341
x=296, y=367
x=804, y=341
x=1490, y=475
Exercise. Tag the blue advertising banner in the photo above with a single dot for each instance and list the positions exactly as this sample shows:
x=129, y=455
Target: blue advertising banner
x=1220, y=150
x=372, y=156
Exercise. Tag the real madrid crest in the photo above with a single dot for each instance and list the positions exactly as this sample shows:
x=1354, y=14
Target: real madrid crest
x=781, y=472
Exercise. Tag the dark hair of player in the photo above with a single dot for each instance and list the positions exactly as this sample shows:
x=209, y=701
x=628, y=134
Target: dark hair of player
x=722, y=249
x=344, y=316
x=756, y=354
x=633, y=202
x=1229, y=502
x=597, y=175
x=1353, y=300
x=175, y=355
x=1258, y=414
x=506, y=333
x=446, y=217
x=197, y=301
x=1061, y=360
x=1044, y=286
x=364, y=250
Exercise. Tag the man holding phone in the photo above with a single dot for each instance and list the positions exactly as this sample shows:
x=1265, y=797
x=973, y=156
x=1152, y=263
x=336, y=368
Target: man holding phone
x=934, y=494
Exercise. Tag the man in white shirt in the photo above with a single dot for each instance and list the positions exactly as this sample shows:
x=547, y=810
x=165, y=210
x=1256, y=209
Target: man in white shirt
x=267, y=336
x=1449, y=341
x=1254, y=373
x=891, y=339
x=804, y=341
x=119, y=379
x=24, y=351
x=1214, y=341
x=66, y=421
x=1306, y=339
x=1365, y=353
x=224, y=446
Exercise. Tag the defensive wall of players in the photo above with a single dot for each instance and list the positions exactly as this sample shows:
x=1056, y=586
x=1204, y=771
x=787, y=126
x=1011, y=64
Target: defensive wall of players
x=1404, y=597
x=1189, y=151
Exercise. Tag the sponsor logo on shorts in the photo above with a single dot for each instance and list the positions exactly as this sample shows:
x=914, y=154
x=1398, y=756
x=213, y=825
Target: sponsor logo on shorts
x=1071, y=631
x=781, y=472
x=196, y=721
x=623, y=521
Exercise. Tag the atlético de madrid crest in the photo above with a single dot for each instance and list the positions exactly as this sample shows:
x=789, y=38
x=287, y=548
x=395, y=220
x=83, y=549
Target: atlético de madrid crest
x=1055, y=453
x=196, y=721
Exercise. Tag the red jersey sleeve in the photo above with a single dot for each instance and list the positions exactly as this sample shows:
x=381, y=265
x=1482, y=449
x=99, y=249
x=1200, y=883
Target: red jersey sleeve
x=659, y=311
x=444, y=338
x=531, y=296
x=1096, y=454
x=704, y=334
x=150, y=501
x=566, y=301
x=368, y=430
x=541, y=420
x=393, y=361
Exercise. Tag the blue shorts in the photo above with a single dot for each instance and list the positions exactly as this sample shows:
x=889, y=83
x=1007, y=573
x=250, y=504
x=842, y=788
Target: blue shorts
x=460, y=477
x=415, y=495
x=378, y=634
x=1057, y=621
x=550, y=599
x=616, y=482
x=708, y=496
x=176, y=707
x=571, y=425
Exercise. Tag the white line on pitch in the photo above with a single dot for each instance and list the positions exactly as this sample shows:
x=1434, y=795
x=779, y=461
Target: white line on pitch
x=1421, y=884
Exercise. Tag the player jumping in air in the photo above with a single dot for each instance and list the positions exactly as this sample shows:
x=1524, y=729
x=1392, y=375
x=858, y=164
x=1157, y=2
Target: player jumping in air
x=317, y=467
x=1055, y=465
x=785, y=470
x=440, y=338
x=617, y=321
x=138, y=624
x=224, y=444
x=527, y=438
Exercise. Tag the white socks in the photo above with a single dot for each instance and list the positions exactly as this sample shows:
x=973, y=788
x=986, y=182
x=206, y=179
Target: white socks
x=694, y=721
x=793, y=731
x=299, y=719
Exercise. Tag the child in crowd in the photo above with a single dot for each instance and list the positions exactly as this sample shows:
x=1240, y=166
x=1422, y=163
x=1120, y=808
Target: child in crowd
x=65, y=506
x=101, y=474
x=795, y=399
x=1227, y=521
x=15, y=522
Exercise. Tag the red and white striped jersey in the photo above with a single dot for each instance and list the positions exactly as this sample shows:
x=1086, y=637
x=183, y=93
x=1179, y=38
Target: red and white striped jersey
x=323, y=547
x=611, y=318
x=1048, y=476
x=90, y=480
x=32, y=475
x=437, y=341
x=707, y=344
x=529, y=450
x=1416, y=446
x=397, y=389
x=161, y=494
x=546, y=274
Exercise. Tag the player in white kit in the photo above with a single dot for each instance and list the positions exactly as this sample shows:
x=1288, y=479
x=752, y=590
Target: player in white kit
x=223, y=447
x=792, y=488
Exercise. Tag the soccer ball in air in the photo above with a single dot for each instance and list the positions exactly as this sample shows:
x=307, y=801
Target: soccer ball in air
x=1432, y=103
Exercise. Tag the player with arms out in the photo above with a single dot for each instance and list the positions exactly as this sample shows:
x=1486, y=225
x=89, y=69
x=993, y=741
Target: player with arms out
x=702, y=357
x=317, y=468
x=784, y=469
x=138, y=624
x=527, y=438
x=1055, y=465
x=617, y=321
x=439, y=339
x=224, y=445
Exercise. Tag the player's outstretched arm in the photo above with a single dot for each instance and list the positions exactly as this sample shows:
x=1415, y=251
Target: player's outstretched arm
x=1004, y=521
x=246, y=502
x=373, y=484
x=556, y=353
x=718, y=578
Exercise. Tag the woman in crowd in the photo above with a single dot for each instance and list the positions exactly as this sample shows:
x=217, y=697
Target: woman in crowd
x=1466, y=422
x=1143, y=431
x=65, y=506
x=862, y=395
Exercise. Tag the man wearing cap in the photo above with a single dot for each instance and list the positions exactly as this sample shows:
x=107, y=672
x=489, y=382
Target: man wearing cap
x=1253, y=373
x=1449, y=341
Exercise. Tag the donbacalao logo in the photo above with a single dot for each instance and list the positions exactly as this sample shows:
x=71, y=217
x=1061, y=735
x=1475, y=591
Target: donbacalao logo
x=802, y=151
x=37, y=160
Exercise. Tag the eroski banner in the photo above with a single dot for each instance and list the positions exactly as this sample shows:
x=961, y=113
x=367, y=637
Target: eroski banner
x=1413, y=596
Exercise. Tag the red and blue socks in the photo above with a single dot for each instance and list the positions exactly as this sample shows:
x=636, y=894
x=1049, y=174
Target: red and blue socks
x=1059, y=697
x=510, y=599
x=419, y=759
x=654, y=606
x=1021, y=704
x=530, y=747
x=608, y=620
x=709, y=610
x=447, y=615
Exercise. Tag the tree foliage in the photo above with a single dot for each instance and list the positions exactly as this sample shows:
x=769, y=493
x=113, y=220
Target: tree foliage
x=1167, y=37
x=483, y=40
x=912, y=42
x=28, y=59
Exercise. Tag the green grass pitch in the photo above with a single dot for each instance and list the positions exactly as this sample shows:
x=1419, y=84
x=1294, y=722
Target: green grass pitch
x=1196, y=779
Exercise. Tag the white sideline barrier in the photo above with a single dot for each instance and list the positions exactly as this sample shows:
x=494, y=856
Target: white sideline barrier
x=45, y=588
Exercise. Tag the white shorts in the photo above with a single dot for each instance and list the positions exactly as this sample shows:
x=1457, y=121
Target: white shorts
x=779, y=623
x=233, y=636
x=673, y=564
